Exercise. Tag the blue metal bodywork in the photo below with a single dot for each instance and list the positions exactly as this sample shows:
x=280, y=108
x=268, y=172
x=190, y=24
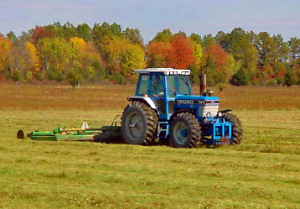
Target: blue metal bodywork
x=214, y=130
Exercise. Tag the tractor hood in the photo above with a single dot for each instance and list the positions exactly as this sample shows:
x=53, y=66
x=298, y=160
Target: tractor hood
x=204, y=106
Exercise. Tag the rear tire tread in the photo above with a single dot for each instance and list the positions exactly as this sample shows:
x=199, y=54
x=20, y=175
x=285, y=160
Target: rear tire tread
x=151, y=121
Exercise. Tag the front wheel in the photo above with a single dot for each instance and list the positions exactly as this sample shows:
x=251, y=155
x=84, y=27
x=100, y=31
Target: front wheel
x=237, y=129
x=185, y=131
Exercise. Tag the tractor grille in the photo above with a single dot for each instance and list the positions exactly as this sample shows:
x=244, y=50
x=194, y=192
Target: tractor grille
x=211, y=108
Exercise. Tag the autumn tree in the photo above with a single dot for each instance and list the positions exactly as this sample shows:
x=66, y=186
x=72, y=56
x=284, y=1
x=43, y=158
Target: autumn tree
x=134, y=35
x=181, y=53
x=86, y=54
x=163, y=36
x=5, y=47
x=122, y=56
x=217, y=64
x=18, y=61
x=41, y=32
x=157, y=53
x=34, y=62
x=100, y=32
x=178, y=52
x=55, y=54
x=195, y=43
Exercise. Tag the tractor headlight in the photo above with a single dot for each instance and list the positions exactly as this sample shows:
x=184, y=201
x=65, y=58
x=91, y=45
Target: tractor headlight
x=220, y=114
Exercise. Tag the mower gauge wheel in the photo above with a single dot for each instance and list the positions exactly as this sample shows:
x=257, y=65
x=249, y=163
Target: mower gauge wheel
x=20, y=135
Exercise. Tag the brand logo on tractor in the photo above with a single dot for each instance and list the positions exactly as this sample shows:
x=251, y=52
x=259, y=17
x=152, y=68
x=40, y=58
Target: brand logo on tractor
x=201, y=102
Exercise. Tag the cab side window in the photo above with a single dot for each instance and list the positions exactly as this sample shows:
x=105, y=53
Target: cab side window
x=157, y=88
x=171, y=88
x=143, y=88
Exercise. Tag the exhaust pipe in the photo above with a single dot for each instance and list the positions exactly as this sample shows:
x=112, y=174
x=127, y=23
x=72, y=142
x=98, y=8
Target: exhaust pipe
x=202, y=84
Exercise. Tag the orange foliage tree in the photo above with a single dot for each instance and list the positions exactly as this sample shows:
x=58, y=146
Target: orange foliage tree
x=41, y=32
x=177, y=53
x=157, y=53
x=180, y=54
x=217, y=63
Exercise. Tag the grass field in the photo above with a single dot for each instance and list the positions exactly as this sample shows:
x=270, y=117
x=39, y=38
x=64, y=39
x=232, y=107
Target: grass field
x=263, y=172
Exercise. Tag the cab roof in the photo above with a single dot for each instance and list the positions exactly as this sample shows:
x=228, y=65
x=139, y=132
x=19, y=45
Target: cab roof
x=166, y=71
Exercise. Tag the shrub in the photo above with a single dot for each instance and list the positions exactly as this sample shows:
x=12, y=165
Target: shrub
x=272, y=82
x=241, y=78
x=289, y=79
x=222, y=86
x=280, y=80
x=117, y=79
x=16, y=76
x=29, y=76
x=74, y=77
x=55, y=74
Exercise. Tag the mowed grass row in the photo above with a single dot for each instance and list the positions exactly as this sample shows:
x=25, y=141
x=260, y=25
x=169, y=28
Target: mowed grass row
x=76, y=175
x=262, y=172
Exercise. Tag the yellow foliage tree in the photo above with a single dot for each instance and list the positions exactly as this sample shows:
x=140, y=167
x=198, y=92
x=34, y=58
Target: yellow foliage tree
x=198, y=51
x=34, y=62
x=79, y=45
x=5, y=46
x=122, y=56
x=133, y=58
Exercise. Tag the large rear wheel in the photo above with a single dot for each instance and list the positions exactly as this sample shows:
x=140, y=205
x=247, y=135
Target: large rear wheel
x=185, y=131
x=139, y=124
x=237, y=129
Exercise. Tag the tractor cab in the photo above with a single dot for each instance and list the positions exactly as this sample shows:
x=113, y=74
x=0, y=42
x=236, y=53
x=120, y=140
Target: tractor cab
x=162, y=86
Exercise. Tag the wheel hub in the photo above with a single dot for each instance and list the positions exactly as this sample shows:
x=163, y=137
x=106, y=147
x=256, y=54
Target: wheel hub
x=135, y=125
x=180, y=133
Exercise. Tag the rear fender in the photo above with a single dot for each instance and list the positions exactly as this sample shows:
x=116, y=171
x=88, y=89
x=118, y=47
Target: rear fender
x=147, y=100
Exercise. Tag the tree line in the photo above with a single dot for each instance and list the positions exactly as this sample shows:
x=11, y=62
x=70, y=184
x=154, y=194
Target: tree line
x=81, y=54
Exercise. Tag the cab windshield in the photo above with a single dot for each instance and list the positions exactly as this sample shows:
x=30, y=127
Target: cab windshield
x=178, y=84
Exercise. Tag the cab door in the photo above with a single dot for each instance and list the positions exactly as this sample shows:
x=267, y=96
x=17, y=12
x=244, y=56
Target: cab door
x=171, y=86
x=157, y=92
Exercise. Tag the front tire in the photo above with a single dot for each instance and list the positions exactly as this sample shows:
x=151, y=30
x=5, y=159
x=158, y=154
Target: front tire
x=185, y=131
x=139, y=124
x=237, y=129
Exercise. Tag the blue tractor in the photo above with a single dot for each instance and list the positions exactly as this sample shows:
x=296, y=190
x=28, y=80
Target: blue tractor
x=164, y=109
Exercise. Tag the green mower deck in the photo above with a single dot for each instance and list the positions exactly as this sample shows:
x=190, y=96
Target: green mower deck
x=103, y=134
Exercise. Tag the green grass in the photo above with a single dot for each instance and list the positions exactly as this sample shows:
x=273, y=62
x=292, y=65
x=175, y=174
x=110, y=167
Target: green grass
x=262, y=172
